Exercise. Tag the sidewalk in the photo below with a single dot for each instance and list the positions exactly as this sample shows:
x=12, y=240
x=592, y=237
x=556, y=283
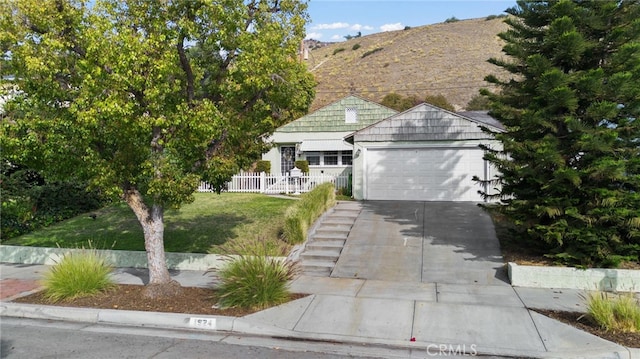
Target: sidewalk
x=421, y=318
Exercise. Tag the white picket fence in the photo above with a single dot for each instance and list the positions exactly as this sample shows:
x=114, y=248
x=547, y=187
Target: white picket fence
x=251, y=182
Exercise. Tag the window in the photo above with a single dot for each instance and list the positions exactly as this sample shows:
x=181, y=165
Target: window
x=313, y=158
x=331, y=158
x=347, y=159
x=350, y=115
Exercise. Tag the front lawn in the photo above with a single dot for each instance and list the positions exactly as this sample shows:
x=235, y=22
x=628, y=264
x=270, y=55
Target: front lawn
x=198, y=227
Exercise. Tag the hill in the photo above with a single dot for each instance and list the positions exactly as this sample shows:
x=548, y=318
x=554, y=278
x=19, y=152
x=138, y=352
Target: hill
x=447, y=58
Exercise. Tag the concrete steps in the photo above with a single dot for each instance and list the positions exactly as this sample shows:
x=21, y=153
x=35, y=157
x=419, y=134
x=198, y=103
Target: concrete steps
x=323, y=248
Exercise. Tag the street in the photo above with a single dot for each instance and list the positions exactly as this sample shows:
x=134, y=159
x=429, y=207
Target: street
x=27, y=338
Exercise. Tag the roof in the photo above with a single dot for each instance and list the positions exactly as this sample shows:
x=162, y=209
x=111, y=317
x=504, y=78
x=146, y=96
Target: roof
x=424, y=122
x=482, y=117
x=331, y=118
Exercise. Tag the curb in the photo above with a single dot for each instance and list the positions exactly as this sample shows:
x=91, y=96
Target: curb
x=239, y=325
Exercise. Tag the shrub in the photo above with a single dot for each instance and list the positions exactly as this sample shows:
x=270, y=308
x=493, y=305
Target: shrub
x=355, y=47
x=255, y=281
x=79, y=274
x=451, y=19
x=478, y=103
x=371, y=52
x=29, y=202
x=619, y=314
x=300, y=216
x=492, y=17
x=263, y=166
x=440, y=101
x=251, y=245
x=340, y=49
x=303, y=165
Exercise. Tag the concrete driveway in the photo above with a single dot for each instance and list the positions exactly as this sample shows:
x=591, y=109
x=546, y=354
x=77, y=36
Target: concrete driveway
x=442, y=242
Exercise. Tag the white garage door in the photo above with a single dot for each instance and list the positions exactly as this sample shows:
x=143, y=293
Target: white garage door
x=423, y=174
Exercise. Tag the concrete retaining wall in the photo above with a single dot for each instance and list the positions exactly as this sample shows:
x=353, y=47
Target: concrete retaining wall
x=121, y=259
x=610, y=280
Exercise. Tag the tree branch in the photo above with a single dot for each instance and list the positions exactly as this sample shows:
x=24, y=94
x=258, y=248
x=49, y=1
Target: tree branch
x=186, y=67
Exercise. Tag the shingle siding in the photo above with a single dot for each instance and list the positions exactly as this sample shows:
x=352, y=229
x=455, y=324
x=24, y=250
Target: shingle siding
x=423, y=123
x=331, y=118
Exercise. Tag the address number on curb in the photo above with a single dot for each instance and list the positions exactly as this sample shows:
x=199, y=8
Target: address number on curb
x=206, y=323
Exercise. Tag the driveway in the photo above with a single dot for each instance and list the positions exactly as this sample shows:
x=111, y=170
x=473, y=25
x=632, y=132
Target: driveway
x=441, y=242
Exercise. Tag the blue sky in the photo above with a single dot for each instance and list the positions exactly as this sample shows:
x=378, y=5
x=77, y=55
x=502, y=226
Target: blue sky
x=331, y=20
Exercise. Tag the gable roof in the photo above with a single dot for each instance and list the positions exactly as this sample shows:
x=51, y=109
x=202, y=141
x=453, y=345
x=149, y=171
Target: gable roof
x=482, y=117
x=331, y=118
x=424, y=122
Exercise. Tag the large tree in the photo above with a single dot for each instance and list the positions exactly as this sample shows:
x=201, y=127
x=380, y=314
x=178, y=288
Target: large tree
x=145, y=98
x=570, y=166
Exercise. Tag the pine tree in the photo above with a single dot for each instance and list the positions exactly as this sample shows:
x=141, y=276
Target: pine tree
x=570, y=162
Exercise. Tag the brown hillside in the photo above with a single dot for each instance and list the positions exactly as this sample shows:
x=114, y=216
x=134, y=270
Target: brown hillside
x=447, y=58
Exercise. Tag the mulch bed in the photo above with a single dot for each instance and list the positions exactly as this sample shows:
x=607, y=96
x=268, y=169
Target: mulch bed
x=583, y=322
x=192, y=300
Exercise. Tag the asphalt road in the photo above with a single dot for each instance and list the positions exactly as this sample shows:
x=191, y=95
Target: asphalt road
x=26, y=338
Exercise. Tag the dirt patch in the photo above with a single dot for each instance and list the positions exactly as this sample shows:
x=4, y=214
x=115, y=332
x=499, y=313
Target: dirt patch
x=192, y=300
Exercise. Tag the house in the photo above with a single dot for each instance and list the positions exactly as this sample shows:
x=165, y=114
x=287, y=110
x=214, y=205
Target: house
x=423, y=154
x=318, y=137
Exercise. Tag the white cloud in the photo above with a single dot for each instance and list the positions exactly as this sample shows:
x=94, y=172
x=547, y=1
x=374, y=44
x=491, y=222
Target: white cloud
x=358, y=27
x=337, y=38
x=392, y=27
x=314, y=35
x=333, y=26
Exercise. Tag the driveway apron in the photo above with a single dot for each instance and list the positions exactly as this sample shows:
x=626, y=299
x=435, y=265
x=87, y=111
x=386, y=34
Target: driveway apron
x=428, y=242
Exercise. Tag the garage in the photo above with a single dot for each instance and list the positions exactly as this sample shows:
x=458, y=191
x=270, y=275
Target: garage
x=424, y=174
x=423, y=154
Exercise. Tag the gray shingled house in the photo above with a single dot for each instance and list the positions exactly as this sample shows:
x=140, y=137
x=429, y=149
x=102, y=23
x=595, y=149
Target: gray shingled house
x=318, y=137
x=423, y=154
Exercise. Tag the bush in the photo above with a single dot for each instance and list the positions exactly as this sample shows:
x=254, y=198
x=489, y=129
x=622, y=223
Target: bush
x=355, y=47
x=479, y=103
x=440, y=101
x=492, y=17
x=451, y=19
x=300, y=216
x=303, y=165
x=255, y=281
x=30, y=203
x=340, y=49
x=263, y=166
x=619, y=314
x=250, y=246
x=371, y=52
x=78, y=275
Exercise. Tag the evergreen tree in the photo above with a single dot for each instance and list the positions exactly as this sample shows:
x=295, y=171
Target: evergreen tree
x=570, y=163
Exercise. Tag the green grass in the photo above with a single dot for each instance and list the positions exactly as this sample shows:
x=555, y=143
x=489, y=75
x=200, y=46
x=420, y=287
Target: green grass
x=619, y=314
x=77, y=275
x=198, y=227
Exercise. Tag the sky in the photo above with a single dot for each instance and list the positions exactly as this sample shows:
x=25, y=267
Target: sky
x=332, y=20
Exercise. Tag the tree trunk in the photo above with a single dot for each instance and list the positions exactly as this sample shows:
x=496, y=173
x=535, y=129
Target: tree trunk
x=152, y=221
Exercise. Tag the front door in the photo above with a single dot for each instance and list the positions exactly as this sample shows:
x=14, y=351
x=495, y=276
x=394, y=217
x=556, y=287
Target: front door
x=287, y=158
